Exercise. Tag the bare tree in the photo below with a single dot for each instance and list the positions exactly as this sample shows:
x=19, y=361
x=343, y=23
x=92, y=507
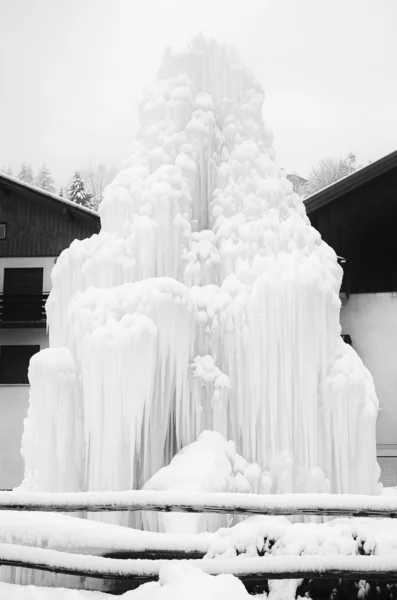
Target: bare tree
x=97, y=178
x=328, y=171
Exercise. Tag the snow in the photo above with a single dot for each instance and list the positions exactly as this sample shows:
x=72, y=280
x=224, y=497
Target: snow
x=249, y=537
x=53, y=374
x=269, y=545
x=269, y=566
x=175, y=581
x=211, y=464
x=278, y=536
x=80, y=536
x=174, y=495
x=29, y=592
x=182, y=581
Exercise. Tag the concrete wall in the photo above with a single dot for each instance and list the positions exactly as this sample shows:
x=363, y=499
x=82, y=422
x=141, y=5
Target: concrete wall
x=371, y=321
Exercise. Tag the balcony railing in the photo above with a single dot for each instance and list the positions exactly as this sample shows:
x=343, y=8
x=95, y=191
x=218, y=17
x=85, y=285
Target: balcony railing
x=22, y=310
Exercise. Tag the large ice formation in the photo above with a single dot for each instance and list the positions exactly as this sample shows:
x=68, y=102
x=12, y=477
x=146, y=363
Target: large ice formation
x=206, y=302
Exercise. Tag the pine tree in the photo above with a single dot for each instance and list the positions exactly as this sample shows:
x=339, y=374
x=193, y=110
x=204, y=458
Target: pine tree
x=77, y=191
x=44, y=180
x=26, y=173
x=6, y=171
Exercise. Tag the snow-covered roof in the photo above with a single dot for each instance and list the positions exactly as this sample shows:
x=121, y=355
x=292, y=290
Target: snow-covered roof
x=350, y=182
x=14, y=182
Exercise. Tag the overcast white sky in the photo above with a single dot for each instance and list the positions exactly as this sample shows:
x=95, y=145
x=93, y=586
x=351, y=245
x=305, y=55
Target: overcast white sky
x=72, y=73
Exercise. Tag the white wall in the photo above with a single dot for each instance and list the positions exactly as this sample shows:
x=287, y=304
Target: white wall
x=14, y=399
x=371, y=321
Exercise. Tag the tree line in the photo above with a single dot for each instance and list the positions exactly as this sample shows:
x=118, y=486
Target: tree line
x=86, y=186
x=327, y=171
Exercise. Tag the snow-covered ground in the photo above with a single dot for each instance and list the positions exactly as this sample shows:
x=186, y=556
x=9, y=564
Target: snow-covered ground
x=177, y=582
x=9, y=591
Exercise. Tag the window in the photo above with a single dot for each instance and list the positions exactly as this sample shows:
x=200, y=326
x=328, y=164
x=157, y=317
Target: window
x=23, y=294
x=388, y=466
x=3, y=231
x=14, y=363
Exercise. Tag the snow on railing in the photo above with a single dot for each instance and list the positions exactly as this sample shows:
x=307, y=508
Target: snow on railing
x=199, y=502
x=257, y=569
x=143, y=563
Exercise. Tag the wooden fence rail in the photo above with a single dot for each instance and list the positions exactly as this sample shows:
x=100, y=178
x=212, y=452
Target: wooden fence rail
x=226, y=503
x=249, y=570
x=143, y=565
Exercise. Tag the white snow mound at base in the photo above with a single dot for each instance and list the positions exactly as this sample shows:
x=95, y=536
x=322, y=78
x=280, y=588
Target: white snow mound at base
x=183, y=581
x=178, y=582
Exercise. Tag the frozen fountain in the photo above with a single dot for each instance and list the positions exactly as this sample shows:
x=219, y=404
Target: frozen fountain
x=206, y=302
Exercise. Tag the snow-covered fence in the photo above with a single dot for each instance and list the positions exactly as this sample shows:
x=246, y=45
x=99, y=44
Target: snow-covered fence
x=228, y=503
x=249, y=570
x=142, y=558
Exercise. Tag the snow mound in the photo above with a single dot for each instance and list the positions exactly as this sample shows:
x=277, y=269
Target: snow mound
x=31, y=592
x=178, y=582
x=271, y=535
x=211, y=464
x=183, y=581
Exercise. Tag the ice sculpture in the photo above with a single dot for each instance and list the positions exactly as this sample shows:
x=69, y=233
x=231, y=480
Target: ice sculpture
x=206, y=302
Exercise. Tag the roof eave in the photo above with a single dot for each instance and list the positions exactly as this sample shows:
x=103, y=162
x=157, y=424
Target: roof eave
x=350, y=182
x=67, y=205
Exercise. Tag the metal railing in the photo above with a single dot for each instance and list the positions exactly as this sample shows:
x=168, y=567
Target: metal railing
x=22, y=309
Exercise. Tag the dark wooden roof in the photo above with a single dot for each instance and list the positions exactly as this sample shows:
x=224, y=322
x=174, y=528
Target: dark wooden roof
x=350, y=182
x=357, y=217
x=39, y=223
x=35, y=193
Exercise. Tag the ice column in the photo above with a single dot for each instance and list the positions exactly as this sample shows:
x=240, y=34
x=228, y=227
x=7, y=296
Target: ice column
x=207, y=301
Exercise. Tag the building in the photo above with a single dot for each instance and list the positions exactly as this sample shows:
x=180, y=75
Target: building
x=357, y=216
x=35, y=227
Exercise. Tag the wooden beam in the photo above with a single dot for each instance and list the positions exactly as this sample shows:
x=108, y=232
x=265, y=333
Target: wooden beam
x=154, y=554
x=249, y=570
x=222, y=503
